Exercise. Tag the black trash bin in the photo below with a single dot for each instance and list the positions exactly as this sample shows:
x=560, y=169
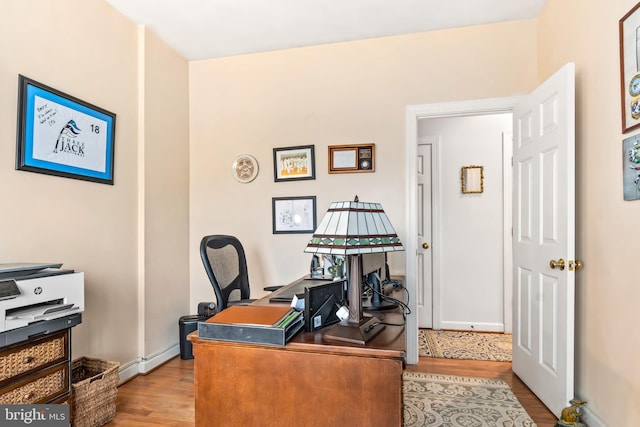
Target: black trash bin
x=186, y=325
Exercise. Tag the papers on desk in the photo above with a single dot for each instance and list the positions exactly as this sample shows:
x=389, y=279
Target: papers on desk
x=268, y=325
x=297, y=303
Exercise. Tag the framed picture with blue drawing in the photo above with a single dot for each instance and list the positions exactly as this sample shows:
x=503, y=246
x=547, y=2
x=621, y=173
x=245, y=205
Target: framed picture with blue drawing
x=61, y=135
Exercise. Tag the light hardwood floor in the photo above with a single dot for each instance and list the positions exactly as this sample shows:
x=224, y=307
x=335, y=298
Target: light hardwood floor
x=164, y=397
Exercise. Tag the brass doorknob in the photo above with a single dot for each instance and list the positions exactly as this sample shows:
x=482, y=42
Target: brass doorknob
x=557, y=264
x=577, y=265
x=425, y=246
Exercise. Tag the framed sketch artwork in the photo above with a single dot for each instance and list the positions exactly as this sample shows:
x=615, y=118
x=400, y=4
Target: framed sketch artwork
x=294, y=214
x=62, y=135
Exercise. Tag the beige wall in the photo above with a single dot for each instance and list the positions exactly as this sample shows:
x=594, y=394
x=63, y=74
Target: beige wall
x=87, y=49
x=89, y=227
x=607, y=292
x=334, y=94
x=164, y=173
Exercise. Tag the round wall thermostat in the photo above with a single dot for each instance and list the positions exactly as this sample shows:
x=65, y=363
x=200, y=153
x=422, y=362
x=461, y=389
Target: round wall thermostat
x=245, y=168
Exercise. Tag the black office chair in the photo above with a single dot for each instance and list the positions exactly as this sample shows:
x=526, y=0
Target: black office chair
x=226, y=265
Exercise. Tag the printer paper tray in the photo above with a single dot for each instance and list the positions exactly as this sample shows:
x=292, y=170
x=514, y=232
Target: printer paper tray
x=39, y=328
x=45, y=312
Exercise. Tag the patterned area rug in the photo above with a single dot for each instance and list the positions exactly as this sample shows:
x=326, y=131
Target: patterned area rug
x=464, y=345
x=443, y=400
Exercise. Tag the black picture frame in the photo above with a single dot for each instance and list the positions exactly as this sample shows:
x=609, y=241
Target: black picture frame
x=294, y=163
x=321, y=304
x=64, y=136
x=293, y=214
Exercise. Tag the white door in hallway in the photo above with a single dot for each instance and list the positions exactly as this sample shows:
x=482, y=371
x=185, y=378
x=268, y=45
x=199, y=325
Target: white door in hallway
x=544, y=233
x=424, y=262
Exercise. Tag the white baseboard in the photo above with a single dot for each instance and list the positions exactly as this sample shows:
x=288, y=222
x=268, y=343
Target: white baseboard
x=144, y=365
x=471, y=326
x=128, y=371
x=589, y=418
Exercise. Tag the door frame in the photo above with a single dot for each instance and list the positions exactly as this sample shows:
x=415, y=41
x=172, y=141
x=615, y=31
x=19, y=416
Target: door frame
x=414, y=113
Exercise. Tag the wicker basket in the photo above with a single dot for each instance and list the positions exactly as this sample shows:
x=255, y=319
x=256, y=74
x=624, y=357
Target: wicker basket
x=94, y=383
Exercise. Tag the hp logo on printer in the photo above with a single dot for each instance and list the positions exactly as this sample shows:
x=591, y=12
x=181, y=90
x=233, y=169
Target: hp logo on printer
x=37, y=290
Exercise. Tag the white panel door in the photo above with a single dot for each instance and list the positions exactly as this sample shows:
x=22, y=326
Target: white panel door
x=424, y=273
x=544, y=231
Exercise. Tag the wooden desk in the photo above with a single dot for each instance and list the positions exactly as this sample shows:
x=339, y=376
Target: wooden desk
x=308, y=382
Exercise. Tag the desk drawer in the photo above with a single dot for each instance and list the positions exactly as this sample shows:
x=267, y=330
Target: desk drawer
x=38, y=388
x=33, y=356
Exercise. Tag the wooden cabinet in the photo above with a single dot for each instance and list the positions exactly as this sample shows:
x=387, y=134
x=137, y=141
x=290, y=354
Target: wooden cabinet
x=37, y=370
x=296, y=385
x=311, y=381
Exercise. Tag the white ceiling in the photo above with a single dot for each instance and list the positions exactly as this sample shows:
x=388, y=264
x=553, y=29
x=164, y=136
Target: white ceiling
x=202, y=29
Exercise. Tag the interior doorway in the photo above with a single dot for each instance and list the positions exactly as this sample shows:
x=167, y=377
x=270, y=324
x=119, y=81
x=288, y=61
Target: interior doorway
x=415, y=114
x=463, y=264
x=543, y=230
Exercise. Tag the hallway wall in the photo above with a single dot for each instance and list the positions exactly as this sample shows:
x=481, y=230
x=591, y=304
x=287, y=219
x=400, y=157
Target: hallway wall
x=472, y=225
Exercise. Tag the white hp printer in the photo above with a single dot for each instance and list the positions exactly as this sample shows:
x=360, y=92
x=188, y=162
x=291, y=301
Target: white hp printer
x=37, y=299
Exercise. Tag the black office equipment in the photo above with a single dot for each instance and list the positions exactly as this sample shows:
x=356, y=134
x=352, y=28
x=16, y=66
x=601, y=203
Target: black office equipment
x=321, y=303
x=315, y=269
x=295, y=290
x=186, y=325
x=375, y=271
x=377, y=300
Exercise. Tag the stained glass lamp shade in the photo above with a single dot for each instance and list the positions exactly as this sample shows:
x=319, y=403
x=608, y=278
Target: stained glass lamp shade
x=351, y=229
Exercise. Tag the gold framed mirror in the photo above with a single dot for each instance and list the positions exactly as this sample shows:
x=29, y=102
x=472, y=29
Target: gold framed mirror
x=472, y=179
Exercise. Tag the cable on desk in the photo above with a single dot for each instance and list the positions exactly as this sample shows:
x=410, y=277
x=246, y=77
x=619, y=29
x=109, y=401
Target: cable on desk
x=406, y=310
x=374, y=324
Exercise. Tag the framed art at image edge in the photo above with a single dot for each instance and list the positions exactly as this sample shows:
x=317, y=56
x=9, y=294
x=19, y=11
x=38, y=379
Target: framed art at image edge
x=631, y=168
x=629, y=33
x=61, y=135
